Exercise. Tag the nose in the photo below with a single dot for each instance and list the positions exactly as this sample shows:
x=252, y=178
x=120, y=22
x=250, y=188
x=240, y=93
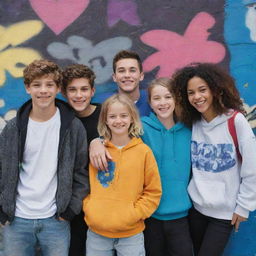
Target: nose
x=197, y=95
x=118, y=119
x=162, y=101
x=43, y=88
x=127, y=73
x=78, y=93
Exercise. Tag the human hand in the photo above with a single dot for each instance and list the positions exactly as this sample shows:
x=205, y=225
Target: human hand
x=5, y=224
x=236, y=219
x=99, y=156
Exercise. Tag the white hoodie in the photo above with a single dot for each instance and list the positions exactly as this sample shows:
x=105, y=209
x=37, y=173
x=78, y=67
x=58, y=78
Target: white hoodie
x=220, y=184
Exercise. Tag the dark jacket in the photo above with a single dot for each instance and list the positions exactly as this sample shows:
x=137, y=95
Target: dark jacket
x=72, y=175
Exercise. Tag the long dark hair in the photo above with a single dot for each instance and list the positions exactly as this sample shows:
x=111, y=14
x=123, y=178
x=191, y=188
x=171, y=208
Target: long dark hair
x=221, y=84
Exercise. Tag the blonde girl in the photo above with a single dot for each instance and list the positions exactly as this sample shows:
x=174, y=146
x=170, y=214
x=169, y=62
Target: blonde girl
x=123, y=196
x=222, y=187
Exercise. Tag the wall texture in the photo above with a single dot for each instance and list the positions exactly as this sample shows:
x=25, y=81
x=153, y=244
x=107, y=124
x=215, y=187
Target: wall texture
x=167, y=34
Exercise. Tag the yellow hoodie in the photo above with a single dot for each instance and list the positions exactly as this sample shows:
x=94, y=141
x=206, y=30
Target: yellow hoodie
x=122, y=197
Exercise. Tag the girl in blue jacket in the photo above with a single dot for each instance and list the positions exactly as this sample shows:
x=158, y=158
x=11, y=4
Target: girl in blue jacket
x=167, y=231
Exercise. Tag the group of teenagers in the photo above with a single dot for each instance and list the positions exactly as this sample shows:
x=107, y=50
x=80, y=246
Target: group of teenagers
x=172, y=169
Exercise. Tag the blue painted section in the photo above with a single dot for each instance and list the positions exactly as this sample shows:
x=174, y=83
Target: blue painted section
x=243, y=68
x=16, y=95
x=243, y=242
x=242, y=50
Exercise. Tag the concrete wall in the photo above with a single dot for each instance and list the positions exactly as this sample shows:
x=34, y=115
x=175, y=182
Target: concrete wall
x=167, y=34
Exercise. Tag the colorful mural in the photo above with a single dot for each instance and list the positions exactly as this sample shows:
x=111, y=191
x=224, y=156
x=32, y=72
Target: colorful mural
x=167, y=34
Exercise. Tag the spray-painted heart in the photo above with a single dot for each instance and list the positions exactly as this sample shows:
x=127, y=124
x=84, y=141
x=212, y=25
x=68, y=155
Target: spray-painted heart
x=59, y=14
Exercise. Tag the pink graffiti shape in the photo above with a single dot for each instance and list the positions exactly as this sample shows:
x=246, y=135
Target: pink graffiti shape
x=176, y=51
x=59, y=14
x=125, y=10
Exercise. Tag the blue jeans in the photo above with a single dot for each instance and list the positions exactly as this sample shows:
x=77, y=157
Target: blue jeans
x=97, y=245
x=22, y=235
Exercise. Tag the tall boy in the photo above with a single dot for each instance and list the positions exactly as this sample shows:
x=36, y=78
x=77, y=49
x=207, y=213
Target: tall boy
x=43, y=158
x=78, y=88
x=128, y=73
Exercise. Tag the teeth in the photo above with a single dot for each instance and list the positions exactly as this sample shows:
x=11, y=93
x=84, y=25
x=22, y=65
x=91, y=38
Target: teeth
x=199, y=103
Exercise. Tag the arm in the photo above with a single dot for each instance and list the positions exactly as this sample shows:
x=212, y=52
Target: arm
x=80, y=183
x=99, y=155
x=150, y=198
x=246, y=198
x=3, y=216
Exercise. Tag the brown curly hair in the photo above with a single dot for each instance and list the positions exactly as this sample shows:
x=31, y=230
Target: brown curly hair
x=221, y=84
x=40, y=68
x=75, y=71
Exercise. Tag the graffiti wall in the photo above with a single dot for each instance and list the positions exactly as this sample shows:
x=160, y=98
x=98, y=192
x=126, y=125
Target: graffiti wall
x=167, y=34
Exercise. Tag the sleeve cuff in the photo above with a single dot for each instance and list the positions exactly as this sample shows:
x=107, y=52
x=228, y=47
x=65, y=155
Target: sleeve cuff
x=3, y=216
x=242, y=211
x=68, y=214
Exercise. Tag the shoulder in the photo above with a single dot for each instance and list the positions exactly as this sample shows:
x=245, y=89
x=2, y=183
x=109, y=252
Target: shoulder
x=9, y=132
x=145, y=120
x=11, y=124
x=77, y=126
x=184, y=129
x=143, y=147
x=242, y=125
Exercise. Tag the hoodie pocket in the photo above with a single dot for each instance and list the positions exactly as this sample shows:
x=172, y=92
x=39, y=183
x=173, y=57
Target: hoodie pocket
x=209, y=193
x=110, y=215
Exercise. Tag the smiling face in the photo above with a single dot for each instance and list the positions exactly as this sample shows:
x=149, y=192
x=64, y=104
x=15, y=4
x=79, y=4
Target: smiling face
x=43, y=91
x=201, y=98
x=79, y=94
x=162, y=102
x=128, y=75
x=118, y=120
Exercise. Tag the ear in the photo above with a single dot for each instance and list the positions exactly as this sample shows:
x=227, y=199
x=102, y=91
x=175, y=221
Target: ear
x=93, y=91
x=114, y=77
x=27, y=88
x=141, y=76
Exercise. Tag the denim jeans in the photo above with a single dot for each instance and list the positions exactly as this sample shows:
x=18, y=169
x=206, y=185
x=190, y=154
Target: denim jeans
x=97, y=245
x=22, y=235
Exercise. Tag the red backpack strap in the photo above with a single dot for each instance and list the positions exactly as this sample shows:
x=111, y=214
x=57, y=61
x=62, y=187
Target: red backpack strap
x=232, y=131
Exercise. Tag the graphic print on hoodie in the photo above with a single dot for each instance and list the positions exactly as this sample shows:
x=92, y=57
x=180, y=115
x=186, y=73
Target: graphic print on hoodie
x=105, y=177
x=212, y=157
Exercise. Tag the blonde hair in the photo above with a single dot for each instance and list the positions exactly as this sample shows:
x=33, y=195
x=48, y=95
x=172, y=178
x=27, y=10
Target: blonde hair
x=135, y=129
x=163, y=81
x=166, y=83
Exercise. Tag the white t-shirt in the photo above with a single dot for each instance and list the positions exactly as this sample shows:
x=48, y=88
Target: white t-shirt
x=38, y=174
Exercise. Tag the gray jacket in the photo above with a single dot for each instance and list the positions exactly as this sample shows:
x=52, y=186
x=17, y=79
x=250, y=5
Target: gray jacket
x=72, y=173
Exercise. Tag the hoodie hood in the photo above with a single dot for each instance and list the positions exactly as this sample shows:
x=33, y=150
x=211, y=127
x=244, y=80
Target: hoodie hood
x=154, y=122
x=218, y=120
x=132, y=143
x=164, y=136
